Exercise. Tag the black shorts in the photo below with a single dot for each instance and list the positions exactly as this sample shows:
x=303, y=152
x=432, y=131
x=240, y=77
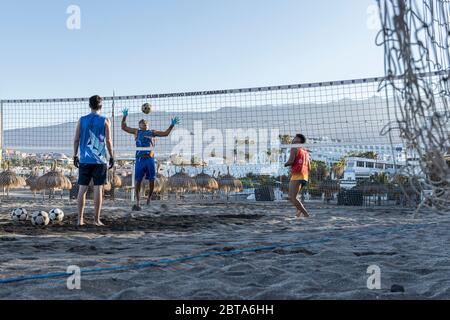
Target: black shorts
x=88, y=172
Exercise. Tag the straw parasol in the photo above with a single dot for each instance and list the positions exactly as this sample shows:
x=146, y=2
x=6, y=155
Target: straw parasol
x=10, y=180
x=205, y=182
x=32, y=181
x=114, y=179
x=228, y=183
x=181, y=182
x=54, y=180
x=160, y=184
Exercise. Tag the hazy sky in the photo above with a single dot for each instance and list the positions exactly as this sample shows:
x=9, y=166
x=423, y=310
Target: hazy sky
x=158, y=46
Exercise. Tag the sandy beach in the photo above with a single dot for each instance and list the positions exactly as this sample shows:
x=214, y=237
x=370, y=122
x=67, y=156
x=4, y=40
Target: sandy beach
x=334, y=249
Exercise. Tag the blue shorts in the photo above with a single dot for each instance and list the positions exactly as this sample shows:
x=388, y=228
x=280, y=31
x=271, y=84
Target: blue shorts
x=145, y=168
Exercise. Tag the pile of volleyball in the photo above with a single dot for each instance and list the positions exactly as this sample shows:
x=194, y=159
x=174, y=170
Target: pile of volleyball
x=37, y=218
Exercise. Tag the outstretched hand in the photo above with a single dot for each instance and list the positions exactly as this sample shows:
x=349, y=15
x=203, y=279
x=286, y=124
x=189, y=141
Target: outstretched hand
x=125, y=112
x=175, y=121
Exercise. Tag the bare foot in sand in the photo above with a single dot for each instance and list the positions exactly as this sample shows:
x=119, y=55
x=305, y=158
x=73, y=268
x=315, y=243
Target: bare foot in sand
x=98, y=223
x=302, y=214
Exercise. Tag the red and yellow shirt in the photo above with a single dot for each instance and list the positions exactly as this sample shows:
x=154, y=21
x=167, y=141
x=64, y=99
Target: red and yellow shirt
x=300, y=168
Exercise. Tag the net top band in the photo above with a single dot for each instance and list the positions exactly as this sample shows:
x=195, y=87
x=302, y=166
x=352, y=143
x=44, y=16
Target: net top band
x=226, y=91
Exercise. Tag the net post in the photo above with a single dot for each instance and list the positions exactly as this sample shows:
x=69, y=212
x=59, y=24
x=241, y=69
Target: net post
x=133, y=178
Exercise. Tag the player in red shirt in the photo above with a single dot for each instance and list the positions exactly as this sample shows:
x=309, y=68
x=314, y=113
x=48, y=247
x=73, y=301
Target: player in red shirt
x=300, y=163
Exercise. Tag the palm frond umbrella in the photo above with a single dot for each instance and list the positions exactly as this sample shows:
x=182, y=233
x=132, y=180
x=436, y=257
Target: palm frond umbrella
x=73, y=179
x=329, y=187
x=229, y=183
x=116, y=181
x=181, y=182
x=32, y=181
x=10, y=180
x=161, y=182
x=205, y=182
x=54, y=180
x=158, y=186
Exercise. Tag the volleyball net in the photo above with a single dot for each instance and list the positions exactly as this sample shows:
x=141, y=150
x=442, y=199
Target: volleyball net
x=246, y=131
x=233, y=126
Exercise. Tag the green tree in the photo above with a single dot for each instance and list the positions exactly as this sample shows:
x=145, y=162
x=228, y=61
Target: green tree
x=319, y=171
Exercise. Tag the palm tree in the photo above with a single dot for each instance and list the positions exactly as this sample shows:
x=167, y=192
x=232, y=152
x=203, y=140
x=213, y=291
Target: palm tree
x=339, y=167
x=319, y=171
x=285, y=139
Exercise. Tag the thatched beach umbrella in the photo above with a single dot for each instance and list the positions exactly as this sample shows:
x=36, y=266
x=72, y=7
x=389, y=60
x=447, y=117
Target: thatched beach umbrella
x=54, y=180
x=229, y=183
x=181, y=182
x=116, y=180
x=160, y=183
x=10, y=180
x=32, y=181
x=206, y=183
x=113, y=179
x=73, y=179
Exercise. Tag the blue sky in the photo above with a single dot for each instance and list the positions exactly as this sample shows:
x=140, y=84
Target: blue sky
x=159, y=46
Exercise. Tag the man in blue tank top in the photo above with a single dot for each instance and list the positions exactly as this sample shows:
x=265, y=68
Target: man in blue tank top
x=92, y=139
x=145, y=160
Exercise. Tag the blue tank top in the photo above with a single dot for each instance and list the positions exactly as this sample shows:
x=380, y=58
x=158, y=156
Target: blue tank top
x=142, y=141
x=92, y=139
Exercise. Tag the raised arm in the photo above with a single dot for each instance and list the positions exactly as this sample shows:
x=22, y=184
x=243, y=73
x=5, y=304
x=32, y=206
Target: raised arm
x=174, y=122
x=124, y=123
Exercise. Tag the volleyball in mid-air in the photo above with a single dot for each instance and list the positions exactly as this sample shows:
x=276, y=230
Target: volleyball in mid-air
x=40, y=218
x=146, y=108
x=56, y=215
x=19, y=215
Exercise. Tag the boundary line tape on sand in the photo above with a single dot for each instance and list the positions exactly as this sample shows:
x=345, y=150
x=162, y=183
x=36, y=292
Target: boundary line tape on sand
x=210, y=254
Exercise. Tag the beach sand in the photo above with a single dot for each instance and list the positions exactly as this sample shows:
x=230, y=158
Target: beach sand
x=345, y=241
